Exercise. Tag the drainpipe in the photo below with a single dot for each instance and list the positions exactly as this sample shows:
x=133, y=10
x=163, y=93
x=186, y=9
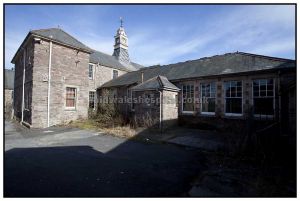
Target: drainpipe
x=142, y=77
x=24, y=65
x=160, y=112
x=49, y=79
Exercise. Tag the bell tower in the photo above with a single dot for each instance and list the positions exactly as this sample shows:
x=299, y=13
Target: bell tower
x=121, y=45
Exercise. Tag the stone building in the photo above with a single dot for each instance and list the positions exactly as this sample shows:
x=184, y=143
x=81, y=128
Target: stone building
x=219, y=90
x=57, y=76
x=8, y=92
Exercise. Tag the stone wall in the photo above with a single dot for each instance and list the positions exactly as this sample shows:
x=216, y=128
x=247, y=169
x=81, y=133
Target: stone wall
x=220, y=94
x=8, y=103
x=69, y=70
x=102, y=74
x=18, y=82
x=169, y=108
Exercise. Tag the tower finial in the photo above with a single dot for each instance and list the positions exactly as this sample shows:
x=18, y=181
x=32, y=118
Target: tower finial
x=121, y=21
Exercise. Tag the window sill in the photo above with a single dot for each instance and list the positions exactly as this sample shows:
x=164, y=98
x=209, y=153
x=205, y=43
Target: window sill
x=187, y=112
x=263, y=117
x=207, y=114
x=70, y=109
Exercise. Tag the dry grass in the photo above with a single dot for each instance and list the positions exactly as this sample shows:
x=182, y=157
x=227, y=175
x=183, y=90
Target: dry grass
x=119, y=131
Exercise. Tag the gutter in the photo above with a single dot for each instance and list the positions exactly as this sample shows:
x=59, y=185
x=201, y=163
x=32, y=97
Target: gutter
x=49, y=84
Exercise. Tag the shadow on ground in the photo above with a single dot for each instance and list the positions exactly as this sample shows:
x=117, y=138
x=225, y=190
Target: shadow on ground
x=80, y=171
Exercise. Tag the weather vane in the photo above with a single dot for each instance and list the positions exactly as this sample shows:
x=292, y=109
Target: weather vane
x=121, y=20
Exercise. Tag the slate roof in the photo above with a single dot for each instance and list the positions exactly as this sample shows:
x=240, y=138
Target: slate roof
x=61, y=36
x=229, y=63
x=111, y=61
x=9, y=77
x=157, y=82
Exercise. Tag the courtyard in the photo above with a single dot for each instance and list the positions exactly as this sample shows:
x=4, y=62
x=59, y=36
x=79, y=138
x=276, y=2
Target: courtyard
x=73, y=162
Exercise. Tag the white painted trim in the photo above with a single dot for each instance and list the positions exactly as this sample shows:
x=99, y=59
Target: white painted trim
x=209, y=113
x=259, y=115
x=200, y=93
x=94, y=98
x=233, y=114
x=182, y=111
x=187, y=112
x=24, y=71
x=76, y=97
x=49, y=84
x=112, y=73
x=93, y=70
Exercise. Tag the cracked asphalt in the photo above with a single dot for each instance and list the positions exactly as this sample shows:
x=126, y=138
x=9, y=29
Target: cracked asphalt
x=66, y=162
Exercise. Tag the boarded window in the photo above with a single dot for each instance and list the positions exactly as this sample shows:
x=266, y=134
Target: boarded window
x=70, y=97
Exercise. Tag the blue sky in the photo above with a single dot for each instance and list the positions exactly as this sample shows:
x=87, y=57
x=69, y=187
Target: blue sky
x=162, y=34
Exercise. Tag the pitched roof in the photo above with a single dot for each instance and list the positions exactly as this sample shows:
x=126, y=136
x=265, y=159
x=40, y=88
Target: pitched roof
x=157, y=82
x=111, y=61
x=229, y=63
x=61, y=36
x=9, y=78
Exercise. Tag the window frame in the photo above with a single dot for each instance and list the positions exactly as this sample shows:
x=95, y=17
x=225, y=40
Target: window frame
x=114, y=70
x=75, y=99
x=91, y=77
x=215, y=97
x=263, y=115
x=182, y=102
x=93, y=91
x=230, y=114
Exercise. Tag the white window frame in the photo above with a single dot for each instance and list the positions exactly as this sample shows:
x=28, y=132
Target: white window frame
x=268, y=115
x=112, y=76
x=187, y=112
x=225, y=99
x=93, y=67
x=94, y=99
x=200, y=92
x=76, y=97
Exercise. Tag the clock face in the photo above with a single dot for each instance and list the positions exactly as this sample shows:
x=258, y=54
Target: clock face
x=123, y=40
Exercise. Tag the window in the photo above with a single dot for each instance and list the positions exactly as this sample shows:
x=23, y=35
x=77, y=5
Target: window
x=91, y=72
x=188, y=98
x=71, y=97
x=92, y=99
x=233, y=97
x=115, y=74
x=208, y=98
x=263, y=97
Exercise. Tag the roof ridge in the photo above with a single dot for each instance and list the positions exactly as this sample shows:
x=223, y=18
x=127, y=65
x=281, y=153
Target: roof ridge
x=263, y=56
